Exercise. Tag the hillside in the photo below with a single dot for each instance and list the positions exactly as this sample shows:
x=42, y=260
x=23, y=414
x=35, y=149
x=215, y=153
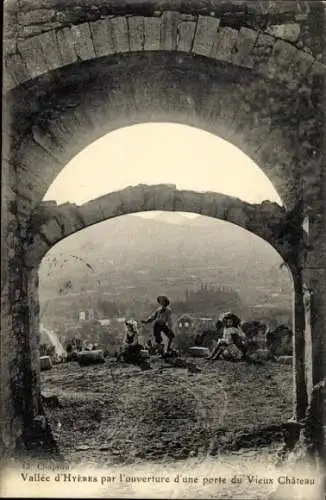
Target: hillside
x=133, y=256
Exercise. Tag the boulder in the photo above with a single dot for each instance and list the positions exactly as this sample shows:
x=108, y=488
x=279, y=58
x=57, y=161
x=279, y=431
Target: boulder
x=198, y=352
x=285, y=360
x=45, y=363
x=90, y=357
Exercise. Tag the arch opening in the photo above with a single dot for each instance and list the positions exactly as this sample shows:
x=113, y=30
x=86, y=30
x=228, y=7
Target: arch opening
x=115, y=269
x=161, y=153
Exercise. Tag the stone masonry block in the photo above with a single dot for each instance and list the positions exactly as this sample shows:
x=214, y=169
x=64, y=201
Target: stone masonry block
x=16, y=69
x=262, y=49
x=112, y=205
x=289, y=32
x=51, y=50
x=277, y=66
x=299, y=67
x=169, y=27
x=66, y=44
x=152, y=30
x=8, y=81
x=24, y=205
x=35, y=251
x=130, y=199
x=165, y=199
x=102, y=35
x=48, y=143
x=91, y=212
x=214, y=204
x=82, y=39
x=33, y=57
x=120, y=34
x=40, y=53
x=237, y=215
x=36, y=16
x=223, y=44
x=245, y=41
x=51, y=231
x=136, y=33
x=189, y=201
x=36, y=170
x=206, y=31
x=318, y=69
x=186, y=33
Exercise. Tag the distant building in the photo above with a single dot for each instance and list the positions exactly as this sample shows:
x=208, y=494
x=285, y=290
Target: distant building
x=120, y=319
x=87, y=315
x=105, y=322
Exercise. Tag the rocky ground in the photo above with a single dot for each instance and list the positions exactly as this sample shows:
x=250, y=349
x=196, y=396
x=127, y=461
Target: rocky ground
x=165, y=433
x=115, y=413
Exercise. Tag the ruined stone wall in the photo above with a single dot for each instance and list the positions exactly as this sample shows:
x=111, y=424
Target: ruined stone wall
x=41, y=38
x=51, y=223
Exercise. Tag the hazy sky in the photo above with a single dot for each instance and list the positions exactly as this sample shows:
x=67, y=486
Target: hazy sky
x=161, y=153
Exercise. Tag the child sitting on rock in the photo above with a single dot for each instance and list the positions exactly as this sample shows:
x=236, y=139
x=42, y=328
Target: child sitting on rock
x=232, y=345
x=130, y=348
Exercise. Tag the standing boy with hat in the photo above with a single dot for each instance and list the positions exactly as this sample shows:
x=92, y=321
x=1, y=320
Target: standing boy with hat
x=162, y=318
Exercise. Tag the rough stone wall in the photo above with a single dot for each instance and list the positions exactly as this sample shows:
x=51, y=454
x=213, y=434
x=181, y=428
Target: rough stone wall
x=285, y=20
x=39, y=40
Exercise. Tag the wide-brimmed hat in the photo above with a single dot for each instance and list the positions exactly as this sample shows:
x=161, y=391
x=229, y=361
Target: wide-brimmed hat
x=132, y=324
x=229, y=315
x=162, y=299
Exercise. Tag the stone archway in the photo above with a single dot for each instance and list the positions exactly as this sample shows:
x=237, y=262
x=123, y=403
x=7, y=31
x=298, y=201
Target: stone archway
x=73, y=75
x=50, y=223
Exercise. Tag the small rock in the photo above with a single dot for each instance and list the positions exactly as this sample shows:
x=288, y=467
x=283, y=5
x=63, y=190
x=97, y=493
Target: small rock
x=82, y=447
x=105, y=447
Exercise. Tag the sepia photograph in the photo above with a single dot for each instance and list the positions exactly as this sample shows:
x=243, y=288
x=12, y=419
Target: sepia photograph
x=163, y=249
